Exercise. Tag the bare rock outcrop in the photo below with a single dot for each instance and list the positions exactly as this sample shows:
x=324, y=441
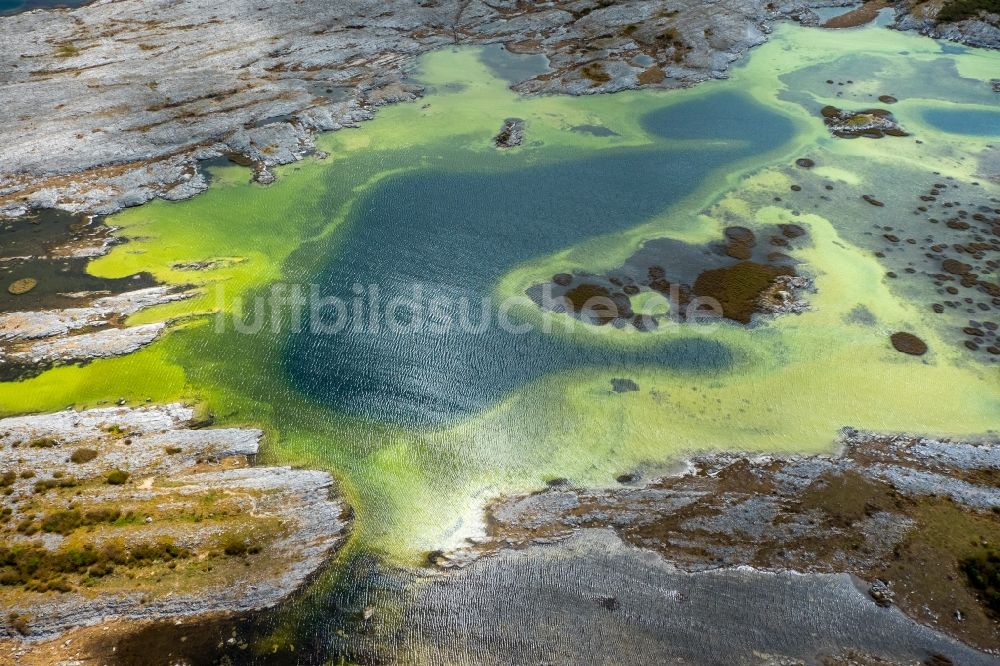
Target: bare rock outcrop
x=33, y=340
x=136, y=513
x=894, y=510
x=950, y=20
x=113, y=104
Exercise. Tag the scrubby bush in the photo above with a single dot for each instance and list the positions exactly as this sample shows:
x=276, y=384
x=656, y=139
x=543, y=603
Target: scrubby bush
x=19, y=623
x=45, y=485
x=83, y=456
x=983, y=572
x=62, y=522
x=38, y=569
x=117, y=477
x=236, y=545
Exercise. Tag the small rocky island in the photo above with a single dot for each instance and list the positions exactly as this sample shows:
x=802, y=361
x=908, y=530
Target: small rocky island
x=667, y=280
x=870, y=123
x=143, y=514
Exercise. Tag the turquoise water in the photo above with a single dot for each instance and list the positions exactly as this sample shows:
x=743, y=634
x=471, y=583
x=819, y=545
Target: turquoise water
x=455, y=233
x=964, y=121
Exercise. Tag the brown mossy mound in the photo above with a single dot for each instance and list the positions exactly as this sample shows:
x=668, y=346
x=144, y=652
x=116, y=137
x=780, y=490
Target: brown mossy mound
x=955, y=267
x=651, y=76
x=983, y=573
x=791, y=230
x=581, y=296
x=738, y=287
x=740, y=242
x=908, y=343
x=22, y=286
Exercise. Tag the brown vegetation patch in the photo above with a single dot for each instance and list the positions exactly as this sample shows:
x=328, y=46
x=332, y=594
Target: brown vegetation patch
x=908, y=343
x=22, y=286
x=864, y=14
x=651, y=76
x=738, y=287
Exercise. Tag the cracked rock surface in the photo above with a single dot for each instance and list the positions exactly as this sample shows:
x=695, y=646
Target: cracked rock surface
x=187, y=527
x=112, y=104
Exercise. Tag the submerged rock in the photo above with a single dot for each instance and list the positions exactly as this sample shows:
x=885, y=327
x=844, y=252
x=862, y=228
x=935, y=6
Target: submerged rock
x=511, y=134
x=908, y=343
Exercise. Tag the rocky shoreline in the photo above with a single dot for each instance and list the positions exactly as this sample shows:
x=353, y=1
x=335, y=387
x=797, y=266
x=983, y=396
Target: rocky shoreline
x=950, y=21
x=909, y=515
x=32, y=341
x=118, y=102
x=139, y=513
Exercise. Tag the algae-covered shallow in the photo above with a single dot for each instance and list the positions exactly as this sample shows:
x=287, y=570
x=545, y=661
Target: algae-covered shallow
x=424, y=427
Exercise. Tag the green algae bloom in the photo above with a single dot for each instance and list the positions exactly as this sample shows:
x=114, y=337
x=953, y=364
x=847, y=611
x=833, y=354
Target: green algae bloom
x=421, y=193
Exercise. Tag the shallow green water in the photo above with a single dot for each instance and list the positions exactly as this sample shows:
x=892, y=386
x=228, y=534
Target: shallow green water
x=422, y=430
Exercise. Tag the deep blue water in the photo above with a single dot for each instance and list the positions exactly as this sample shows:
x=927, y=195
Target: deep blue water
x=977, y=122
x=457, y=234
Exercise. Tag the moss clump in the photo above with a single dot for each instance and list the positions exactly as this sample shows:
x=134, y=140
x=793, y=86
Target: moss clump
x=236, y=545
x=738, y=287
x=116, y=477
x=115, y=430
x=7, y=479
x=22, y=286
x=65, y=522
x=37, y=569
x=651, y=76
x=67, y=50
x=43, y=443
x=173, y=450
x=83, y=455
x=594, y=71
x=983, y=573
